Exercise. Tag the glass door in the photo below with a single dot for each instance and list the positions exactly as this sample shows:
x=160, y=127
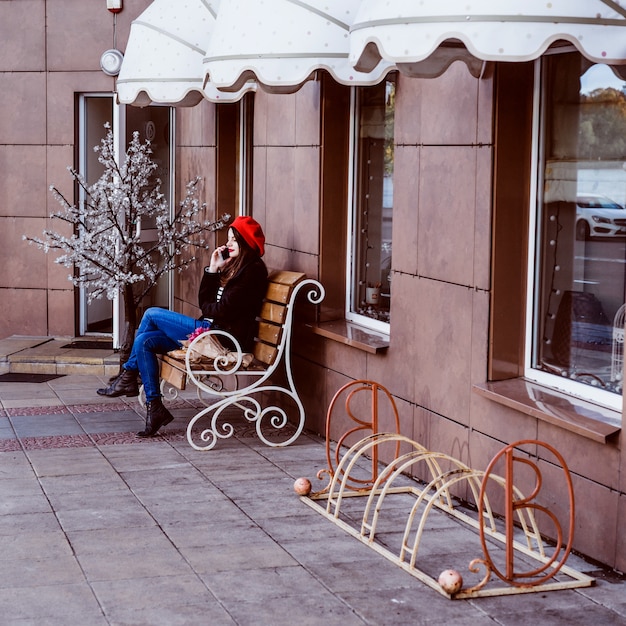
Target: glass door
x=154, y=123
x=95, y=317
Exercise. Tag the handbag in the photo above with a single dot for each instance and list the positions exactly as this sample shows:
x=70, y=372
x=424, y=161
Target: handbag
x=208, y=348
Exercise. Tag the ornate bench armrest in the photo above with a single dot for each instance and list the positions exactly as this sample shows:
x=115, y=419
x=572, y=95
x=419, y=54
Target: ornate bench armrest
x=223, y=361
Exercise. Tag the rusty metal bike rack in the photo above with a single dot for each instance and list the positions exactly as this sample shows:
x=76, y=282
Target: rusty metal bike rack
x=516, y=529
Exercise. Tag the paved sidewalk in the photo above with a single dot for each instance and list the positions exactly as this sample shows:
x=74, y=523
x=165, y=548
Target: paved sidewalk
x=100, y=527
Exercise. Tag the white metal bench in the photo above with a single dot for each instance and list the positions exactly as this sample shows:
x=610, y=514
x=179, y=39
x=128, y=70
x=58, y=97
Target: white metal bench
x=225, y=385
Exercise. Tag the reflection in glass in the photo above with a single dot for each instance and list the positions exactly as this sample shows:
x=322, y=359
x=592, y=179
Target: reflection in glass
x=96, y=316
x=582, y=236
x=153, y=124
x=374, y=201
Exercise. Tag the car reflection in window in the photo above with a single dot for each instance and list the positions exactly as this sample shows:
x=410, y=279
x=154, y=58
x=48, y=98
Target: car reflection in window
x=599, y=216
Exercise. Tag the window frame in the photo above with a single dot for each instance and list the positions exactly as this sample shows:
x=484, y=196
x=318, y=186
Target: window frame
x=580, y=390
x=351, y=269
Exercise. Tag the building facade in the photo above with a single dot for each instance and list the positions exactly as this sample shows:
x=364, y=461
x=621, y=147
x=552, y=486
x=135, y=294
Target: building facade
x=468, y=227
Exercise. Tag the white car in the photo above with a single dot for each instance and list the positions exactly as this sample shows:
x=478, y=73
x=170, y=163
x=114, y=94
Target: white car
x=599, y=216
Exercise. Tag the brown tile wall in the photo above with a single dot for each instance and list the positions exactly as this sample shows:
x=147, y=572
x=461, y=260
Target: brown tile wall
x=49, y=51
x=195, y=156
x=441, y=299
x=286, y=176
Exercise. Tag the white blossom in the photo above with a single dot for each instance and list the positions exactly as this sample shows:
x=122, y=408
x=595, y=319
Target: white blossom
x=106, y=245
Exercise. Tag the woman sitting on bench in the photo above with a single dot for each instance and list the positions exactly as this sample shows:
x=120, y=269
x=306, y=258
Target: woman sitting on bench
x=230, y=297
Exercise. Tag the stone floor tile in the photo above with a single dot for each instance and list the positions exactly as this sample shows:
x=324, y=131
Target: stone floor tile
x=173, y=487
x=604, y=593
x=16, y=486
x=81, y=382
x=158, y=455
x=15, y=465
x=95, y=501
x=6, y=429
x=190, y=513
x=24, y=504
x=104, y=517
x=70, y=605
x=30, y=391
x=533, y=604
x=123, y=565
x=51, y=408
x=39, y=572
x=313, y=527
x=19, y=523
x=180, y=614
x=30, y=544
x=242, y=531
x=269, y=482
x=264, y=553
x=157, y=591
x=262, y=584
x=125, y=425
x=303, y=610
x=172, y=478
x=45, y=425
x=112, y=540
x=345, y=576
x=552, y=615
x=103, y=482
x=412, y=604
x=69, y=462
x=264, y=506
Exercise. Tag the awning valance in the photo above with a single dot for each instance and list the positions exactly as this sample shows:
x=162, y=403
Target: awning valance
x=281, y=43
x=180, y=52
x=163, y=59
x=410, y=34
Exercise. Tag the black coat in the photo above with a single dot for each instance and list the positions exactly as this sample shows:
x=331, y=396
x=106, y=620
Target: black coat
x=240, y=303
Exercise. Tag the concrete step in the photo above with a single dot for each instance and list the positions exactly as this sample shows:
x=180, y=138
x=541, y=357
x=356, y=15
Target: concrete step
x=57, y=355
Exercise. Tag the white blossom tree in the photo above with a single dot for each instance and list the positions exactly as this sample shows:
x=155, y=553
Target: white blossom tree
x=105, y=250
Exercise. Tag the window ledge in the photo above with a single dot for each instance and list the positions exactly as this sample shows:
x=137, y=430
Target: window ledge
x=570, y=413
x=353, y=335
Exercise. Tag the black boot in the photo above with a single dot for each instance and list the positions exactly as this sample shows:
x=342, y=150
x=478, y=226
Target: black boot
x=123, y=385
x=157, y=416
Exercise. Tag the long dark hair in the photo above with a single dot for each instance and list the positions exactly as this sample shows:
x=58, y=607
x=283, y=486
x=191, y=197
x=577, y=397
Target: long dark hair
x=246, y=254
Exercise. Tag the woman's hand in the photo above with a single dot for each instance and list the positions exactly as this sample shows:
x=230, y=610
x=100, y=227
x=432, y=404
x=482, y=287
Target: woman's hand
x=217, y=259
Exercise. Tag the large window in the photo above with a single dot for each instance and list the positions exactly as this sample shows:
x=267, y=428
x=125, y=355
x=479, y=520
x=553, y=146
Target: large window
x=369, y=284
x=578, y=281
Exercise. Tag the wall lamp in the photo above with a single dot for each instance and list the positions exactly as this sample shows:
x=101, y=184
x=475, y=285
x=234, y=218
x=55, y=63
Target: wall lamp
x=115, y=6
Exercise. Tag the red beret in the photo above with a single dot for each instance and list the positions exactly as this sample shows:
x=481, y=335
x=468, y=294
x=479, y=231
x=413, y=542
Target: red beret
x=251, y=231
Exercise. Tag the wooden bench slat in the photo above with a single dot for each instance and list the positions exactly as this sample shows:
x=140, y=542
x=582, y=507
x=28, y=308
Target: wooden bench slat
x=278, y=293
x=174, y=372
x=269, y=333
x=273, y=312
x=284, y=277
x=265, y=353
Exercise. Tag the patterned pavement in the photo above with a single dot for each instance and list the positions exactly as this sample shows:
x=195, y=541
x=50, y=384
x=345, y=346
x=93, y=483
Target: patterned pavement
x=98, y=526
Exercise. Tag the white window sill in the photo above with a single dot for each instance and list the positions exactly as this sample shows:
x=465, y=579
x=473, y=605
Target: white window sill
x=579, y=416
x=352, y=334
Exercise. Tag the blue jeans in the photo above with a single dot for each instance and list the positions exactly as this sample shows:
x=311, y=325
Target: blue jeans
x=159, y=332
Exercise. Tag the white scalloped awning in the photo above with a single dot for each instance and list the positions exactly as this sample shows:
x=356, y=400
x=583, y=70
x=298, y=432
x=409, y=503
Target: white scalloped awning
x=180, y=51
x=281, y=43
x=410, y=33
x=163, y=59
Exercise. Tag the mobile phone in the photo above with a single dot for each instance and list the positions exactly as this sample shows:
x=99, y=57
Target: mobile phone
x=225, y=253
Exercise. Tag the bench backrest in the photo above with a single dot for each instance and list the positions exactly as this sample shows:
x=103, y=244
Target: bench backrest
x=274, y=314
